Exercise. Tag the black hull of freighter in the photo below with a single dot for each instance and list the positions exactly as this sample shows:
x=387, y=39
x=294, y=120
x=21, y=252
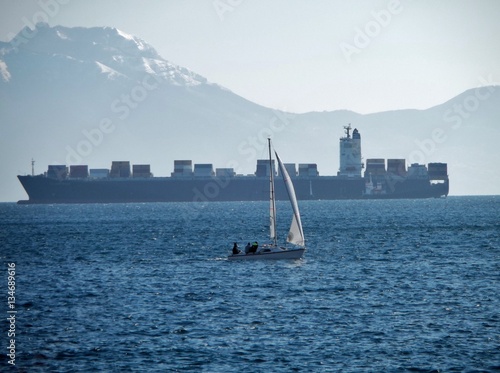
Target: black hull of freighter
x=122, y=184
x=45, y=190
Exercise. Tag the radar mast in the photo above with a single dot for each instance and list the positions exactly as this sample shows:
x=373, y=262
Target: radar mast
x=347, y=129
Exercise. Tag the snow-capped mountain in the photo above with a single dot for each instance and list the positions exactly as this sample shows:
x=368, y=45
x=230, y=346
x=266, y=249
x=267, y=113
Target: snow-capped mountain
x=106, y=50
x=94, y=95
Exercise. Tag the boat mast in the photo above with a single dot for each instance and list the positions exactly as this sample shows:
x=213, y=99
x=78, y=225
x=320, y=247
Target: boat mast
x=32, y=167
x=272, y=208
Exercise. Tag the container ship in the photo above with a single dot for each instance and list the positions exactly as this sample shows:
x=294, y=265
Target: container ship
x=124, y=182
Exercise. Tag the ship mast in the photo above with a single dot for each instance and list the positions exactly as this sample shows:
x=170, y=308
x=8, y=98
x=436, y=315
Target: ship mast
x=272, y=197
x=32, y=167
x=347, y=129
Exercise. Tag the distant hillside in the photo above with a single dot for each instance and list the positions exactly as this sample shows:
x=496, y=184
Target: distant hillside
x=94, y=95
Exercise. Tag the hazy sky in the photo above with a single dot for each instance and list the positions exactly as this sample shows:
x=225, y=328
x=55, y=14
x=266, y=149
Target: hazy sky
x=304, y=55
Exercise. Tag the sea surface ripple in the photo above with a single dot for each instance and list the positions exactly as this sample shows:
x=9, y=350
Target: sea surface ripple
x=385, y=286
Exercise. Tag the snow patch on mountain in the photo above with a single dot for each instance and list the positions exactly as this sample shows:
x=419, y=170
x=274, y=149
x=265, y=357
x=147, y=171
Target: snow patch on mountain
x=112, y=74
x=124, y=35
x=62, y=35
x=4, y=72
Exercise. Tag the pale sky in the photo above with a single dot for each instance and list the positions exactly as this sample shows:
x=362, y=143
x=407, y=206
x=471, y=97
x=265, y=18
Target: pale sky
x=304, y=55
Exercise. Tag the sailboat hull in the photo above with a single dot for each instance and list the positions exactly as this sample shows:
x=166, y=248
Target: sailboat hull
x=270, y=255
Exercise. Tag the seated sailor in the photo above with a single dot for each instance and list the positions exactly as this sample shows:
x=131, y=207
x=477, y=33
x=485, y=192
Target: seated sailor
x=254, y=247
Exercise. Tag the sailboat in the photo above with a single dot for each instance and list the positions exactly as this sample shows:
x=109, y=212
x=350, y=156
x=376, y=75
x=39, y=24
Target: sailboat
x=295, y=234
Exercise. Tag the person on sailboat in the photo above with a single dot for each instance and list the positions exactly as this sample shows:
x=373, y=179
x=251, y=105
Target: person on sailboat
x=254, y=247
x=235, y=249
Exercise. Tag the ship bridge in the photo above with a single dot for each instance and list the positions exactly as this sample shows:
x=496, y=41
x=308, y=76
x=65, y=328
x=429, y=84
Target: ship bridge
x=350, y=153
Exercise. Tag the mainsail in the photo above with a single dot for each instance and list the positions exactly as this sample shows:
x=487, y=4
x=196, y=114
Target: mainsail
x=295, y=235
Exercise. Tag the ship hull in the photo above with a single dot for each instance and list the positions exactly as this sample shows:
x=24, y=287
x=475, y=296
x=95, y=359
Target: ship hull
x=43, y=190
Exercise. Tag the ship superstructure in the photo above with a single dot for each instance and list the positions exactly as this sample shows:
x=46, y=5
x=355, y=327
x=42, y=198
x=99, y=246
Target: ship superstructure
x=350, y=153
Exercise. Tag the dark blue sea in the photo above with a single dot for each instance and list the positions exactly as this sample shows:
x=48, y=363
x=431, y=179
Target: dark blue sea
x=385, y=286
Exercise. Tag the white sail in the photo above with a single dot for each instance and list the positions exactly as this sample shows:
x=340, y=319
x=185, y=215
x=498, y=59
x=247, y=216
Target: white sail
x=295, y=235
